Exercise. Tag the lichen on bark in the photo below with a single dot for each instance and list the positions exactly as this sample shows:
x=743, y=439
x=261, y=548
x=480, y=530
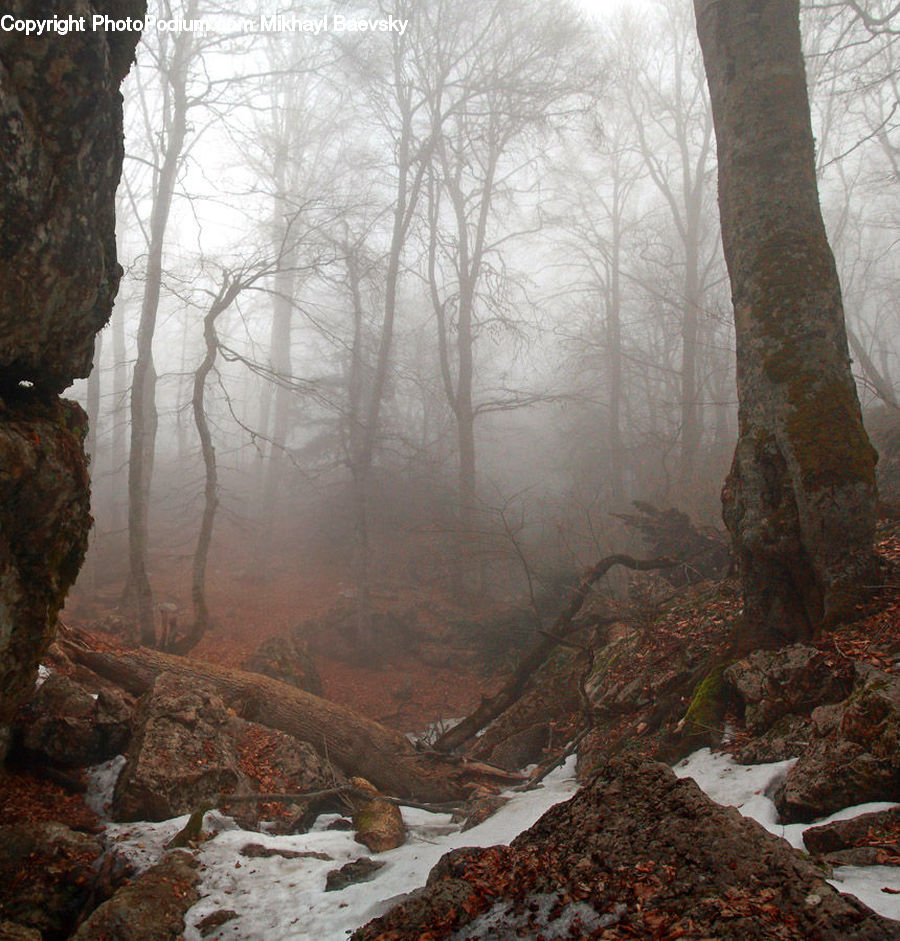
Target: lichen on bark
x=61, y=155
x=800, y=498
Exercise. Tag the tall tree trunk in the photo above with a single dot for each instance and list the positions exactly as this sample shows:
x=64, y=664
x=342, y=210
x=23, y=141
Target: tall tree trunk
x=800, y=498
x=277, y=417
x=119, y=418
x=354, y=446
x=144, y=418
x=90, y=445
x=211, y=480
x=616, y=461
x=691, y=426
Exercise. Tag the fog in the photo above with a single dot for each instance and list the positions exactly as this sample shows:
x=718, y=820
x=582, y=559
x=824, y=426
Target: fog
x=419, y=313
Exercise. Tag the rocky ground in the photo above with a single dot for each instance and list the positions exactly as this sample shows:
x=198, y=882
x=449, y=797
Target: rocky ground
x=636, y=854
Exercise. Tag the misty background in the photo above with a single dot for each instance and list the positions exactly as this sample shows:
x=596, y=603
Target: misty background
x=422, y=313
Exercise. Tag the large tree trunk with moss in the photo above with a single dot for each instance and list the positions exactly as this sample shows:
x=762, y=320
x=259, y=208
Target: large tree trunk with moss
x=60, y=159
x=800, y=498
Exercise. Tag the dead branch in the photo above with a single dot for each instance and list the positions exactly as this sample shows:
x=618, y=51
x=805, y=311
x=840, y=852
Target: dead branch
x=564, y=625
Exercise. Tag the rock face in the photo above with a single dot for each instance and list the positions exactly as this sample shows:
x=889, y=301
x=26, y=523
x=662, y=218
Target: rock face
x=44, y=522
x=151, y=908
x=60, y=159
x=46, y=876
x=66, y=724
x=854, y=754
x=188, y=749
x=638, y=849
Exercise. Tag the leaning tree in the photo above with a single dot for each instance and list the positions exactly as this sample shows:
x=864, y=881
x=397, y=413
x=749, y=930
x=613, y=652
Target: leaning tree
x=800, y=498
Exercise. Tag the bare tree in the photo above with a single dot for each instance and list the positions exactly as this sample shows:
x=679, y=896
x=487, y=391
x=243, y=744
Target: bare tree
x=514, y=74
x=666, y=96
x=174, y=60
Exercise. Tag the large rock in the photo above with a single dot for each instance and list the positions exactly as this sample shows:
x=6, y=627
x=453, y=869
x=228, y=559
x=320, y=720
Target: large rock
x=47, y=876
x=287, y=658
x=60, y=158
x=879, y=827
x=65, y=724
x=151, y=908
x=854, y=754
x=641, y=849
x=180, y=755
x=44, y=523
x=791, y=681
x=189, y=749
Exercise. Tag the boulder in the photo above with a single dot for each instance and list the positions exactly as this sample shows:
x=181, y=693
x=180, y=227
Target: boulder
x=151, y=908
x=274, y=762
x=379, y=823
x=357, y=870
x=881, y=827
x=638, y=848
x=854, y=754
x=521, y=748
x=60, y=157
x=188, y=749
x=793, y=680
x=180, y=755
x=44, y=523
x=287, y=658
x=787, y=738
x=66, y=724
x=47, y=876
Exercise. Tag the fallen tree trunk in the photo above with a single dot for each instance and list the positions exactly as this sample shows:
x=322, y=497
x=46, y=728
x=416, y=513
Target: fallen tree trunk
x=356, y=745
x=563, y=626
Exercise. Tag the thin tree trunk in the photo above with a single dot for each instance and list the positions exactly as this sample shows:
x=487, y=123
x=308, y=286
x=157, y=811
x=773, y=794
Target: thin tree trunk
x=144, y=417
x=211, y=482
x=119, y=416
x=614, y=351
x=880, y=384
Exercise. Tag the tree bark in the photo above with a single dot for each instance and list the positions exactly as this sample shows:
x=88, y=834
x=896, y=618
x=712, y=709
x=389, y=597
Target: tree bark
x=144, y=418
x=800, y=498
x=355, y=744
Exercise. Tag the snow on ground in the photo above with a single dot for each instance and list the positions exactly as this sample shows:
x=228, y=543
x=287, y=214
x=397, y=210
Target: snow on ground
x=279, y=899
x=283, y=899
x=749, y=789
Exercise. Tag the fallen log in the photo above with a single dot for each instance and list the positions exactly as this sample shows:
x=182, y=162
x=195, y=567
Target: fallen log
x=354, y=744
x=563, y=626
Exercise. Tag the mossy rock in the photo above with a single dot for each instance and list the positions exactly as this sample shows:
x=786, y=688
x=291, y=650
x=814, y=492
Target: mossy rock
x=709, y=703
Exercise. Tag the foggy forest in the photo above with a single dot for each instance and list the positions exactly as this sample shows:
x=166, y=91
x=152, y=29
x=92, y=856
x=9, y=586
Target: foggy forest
x=492, y=448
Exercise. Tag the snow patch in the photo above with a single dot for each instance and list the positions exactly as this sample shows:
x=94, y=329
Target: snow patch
x=101, y=782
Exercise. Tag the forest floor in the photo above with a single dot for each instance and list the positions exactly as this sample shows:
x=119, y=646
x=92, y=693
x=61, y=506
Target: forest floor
x=410, y=694
x=402, y=690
